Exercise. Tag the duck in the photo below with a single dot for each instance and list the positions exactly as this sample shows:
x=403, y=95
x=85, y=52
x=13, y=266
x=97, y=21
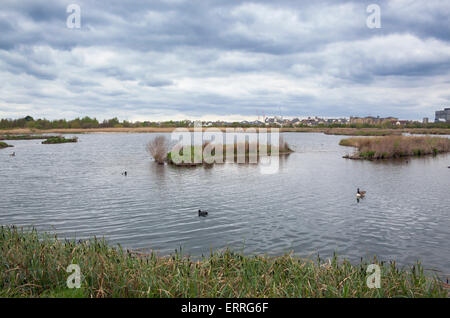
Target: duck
x=202, y=213
x=124, y=173
x=13, y=154
x=360, y=194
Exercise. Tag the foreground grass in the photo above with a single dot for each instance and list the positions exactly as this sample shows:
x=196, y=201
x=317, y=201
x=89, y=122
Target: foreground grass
x=396, y=146
x=34, y=265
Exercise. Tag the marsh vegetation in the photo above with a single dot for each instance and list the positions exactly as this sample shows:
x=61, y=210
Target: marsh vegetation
x=396, y=146
x=158, y=148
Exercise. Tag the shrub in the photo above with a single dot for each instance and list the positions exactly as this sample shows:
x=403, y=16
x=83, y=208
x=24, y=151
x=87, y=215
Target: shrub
x=158, y=149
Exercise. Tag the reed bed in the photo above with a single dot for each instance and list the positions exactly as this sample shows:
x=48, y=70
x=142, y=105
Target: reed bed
x=34, y=265
x=158, y=149
x=396, y=146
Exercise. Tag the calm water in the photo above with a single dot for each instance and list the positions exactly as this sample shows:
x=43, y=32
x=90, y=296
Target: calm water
x=308, y=207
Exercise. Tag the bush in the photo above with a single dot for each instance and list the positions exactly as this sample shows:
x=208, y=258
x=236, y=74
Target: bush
x=158, y=149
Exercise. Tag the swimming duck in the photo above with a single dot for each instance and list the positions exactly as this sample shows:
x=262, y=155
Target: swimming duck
x=360, y=194
x=124, y=173
x=202, y=213
x=13, y=154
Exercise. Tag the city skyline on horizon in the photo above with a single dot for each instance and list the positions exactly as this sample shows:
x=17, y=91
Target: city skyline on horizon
x=227, y=118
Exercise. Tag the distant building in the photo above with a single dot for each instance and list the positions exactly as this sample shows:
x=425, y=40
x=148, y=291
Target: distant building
x=442, y=115
x=425, y=120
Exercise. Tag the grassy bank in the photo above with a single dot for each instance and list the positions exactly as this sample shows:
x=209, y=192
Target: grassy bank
x=396, y=146
x=59, y=140
x=4, y=145
x=35, y=265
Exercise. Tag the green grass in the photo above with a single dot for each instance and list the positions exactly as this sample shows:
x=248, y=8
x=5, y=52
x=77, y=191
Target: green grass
x=59, y=140
x=34, y=265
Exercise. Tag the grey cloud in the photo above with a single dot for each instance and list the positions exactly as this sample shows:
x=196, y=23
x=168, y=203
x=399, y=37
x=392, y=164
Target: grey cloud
x=224, y=57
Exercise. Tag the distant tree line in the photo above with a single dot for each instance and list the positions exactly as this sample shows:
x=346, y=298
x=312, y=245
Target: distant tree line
x=87, y=122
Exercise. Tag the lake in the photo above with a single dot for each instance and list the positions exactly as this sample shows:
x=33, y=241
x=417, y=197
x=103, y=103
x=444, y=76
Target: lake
x=308, y=207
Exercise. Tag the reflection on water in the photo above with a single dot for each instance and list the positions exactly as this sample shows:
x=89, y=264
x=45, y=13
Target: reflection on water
x=309, y=206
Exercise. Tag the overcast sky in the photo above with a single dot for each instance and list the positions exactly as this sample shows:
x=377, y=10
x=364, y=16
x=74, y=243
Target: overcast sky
x=225, y=59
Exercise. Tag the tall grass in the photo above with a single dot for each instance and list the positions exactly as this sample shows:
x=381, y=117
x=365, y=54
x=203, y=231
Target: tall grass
x=34, y=265
x=397, y=146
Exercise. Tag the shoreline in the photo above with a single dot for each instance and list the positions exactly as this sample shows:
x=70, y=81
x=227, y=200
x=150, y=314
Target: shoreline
x=325, y=130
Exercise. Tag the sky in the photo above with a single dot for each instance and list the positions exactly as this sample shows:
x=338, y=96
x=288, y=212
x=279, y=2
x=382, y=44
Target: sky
x=225, y=59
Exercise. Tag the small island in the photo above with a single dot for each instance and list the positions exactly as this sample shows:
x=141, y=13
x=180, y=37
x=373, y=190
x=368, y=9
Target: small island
x=59, y=140
x=243, y=152
x=389, y=147
x=4, y=145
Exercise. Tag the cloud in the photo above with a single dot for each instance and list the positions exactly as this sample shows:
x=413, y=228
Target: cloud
x=223, y=59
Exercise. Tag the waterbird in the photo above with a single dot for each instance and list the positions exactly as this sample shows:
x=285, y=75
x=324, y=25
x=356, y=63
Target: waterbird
x=202, y=213
x=13, y=154
x=124, y=173
x=360, y=194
